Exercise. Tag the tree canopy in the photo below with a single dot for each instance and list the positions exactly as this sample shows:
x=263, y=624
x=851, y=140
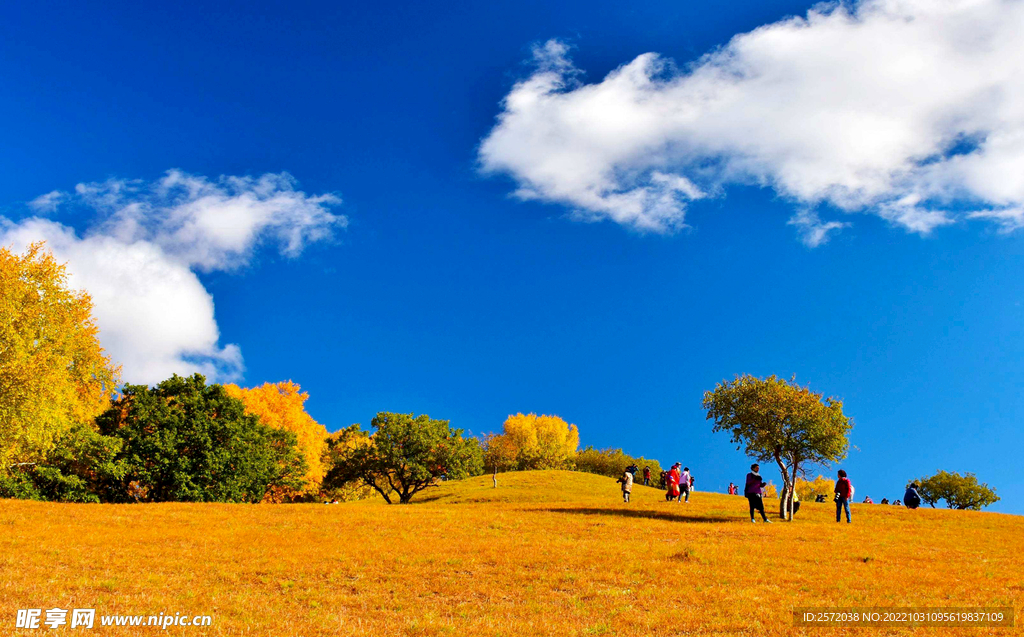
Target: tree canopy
x=281, y=406
x=405, y=455
x=53, y=372
x=779, y=421
x=959, y=491
x=187, y=441
x=535, y=442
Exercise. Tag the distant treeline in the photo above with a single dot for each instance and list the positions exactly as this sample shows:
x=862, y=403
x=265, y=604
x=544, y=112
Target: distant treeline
x=612, y=462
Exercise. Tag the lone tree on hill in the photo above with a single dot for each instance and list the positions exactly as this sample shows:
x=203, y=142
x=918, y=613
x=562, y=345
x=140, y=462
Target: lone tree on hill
x=406, y=455
x=778, y=420
x=959, y=491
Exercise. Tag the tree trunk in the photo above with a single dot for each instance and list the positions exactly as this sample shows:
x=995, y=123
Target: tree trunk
x=792, y=491
x=495, y=477
x=787, y=488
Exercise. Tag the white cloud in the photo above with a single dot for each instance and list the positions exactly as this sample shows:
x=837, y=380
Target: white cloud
x=138, y=260
x=813, y=231
x=908, y=109
x=47, y=203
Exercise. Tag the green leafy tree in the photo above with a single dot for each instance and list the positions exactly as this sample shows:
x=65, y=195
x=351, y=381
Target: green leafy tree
x=81, y=464
x=959, y=491
x=407, y=454
x=338, y=483
x=188, y=441
x=779, y=421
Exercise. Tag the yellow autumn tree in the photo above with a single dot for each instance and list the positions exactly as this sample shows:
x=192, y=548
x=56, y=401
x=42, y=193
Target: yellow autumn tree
x=282, y=406
x=538, y=442
x=53, y=372
x=808, y=490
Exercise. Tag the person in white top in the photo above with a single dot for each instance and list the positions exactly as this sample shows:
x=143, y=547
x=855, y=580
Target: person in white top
x=684, y=486
x=627, y=485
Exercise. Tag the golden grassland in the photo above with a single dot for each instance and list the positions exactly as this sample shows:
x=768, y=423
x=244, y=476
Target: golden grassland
x=547, y=553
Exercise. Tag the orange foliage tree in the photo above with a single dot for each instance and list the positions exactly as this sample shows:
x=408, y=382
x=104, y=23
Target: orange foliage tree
x=281, y=406
x=53, y=372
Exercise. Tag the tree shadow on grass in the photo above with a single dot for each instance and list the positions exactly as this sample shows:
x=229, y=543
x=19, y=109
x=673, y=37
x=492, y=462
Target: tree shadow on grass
x=645, y=514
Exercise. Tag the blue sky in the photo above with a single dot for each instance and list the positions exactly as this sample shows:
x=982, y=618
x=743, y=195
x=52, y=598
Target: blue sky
x=440, y=291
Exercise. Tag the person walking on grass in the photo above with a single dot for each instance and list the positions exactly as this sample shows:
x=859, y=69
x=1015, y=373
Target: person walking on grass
x=684, y=486
x=671, y=485
x=647, y=476
x=754, y=490
x=732, y=489
x=843, y=491
x=627, y=484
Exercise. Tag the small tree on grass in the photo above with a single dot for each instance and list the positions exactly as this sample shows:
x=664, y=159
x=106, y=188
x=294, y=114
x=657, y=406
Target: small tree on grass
x=499, y=455
x=406, y=455
x=780, y=421
x=959, y=491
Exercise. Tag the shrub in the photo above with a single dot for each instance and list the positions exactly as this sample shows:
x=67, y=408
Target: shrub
x=612, y=462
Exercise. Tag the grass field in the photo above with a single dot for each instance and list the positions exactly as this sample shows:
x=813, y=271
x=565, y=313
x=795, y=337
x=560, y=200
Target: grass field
x=547, y=553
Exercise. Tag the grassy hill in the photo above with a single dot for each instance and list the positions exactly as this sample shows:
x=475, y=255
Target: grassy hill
x=546, y=553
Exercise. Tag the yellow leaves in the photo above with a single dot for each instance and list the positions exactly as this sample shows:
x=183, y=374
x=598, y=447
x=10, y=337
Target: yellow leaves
x=808, y=489
x=281, y=405
x=53, y=372
x=537, y=442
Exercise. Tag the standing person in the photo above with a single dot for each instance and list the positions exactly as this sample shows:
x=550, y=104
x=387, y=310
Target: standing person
x=732, y=489
x=647, y=476
x=627, y=484
x=672, y=485
x=912, y=499
x=843, y=491
x=684, y=485
x=753, y=491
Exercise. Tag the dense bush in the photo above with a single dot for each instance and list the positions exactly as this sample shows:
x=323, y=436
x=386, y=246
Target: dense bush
x=612, y=462
x=187, y=441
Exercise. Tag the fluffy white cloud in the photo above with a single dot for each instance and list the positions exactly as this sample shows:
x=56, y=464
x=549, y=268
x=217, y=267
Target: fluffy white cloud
x=909, y=109
x=138, y=259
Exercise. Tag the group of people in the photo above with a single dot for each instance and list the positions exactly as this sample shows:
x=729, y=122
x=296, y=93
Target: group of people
x=677, y=481
x=678, y=484
x=911, y=498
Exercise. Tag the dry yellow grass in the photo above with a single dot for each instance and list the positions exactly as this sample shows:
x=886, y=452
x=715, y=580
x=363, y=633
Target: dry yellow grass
x=547, y=553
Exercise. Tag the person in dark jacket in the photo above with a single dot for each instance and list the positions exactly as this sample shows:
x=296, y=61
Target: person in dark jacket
x=843, y=491
x=754, y=491
x=911, y=498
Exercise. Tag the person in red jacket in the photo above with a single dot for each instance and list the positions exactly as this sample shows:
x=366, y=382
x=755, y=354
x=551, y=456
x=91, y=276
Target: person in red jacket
x=844, y=491
x=672, y=486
